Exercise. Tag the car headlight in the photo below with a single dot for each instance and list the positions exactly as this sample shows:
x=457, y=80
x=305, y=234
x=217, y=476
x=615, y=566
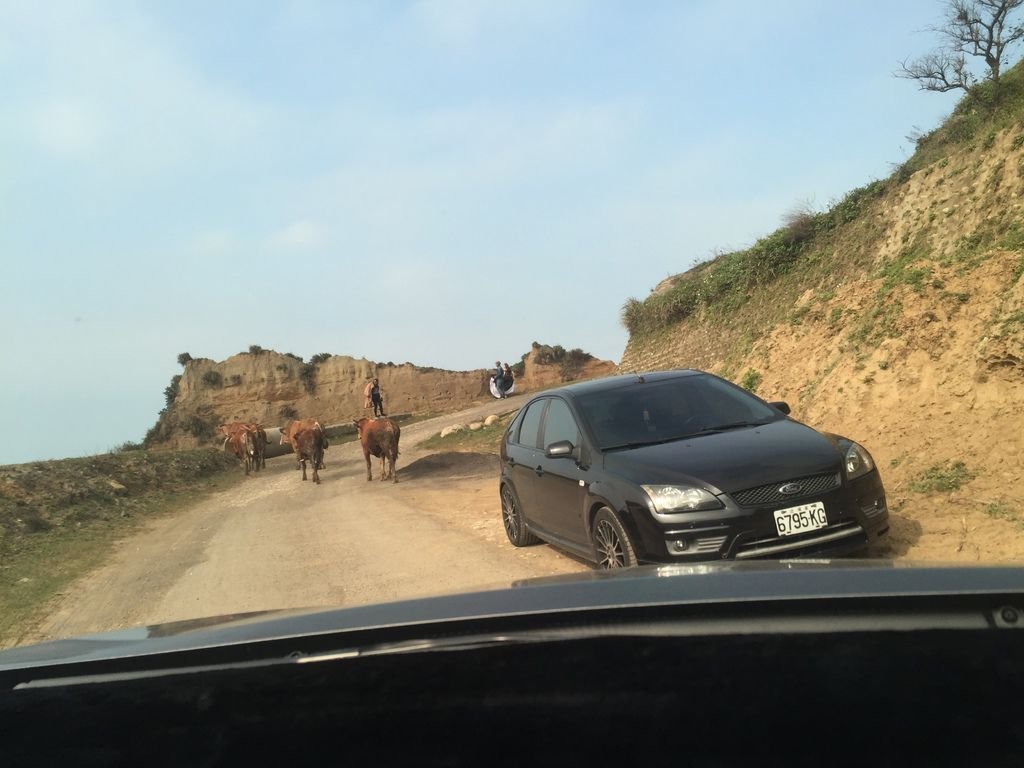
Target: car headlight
x=857, y=462
x=680, y=498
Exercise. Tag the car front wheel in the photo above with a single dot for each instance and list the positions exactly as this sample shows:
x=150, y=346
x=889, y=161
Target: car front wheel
x=612, y=543
x=512, y=519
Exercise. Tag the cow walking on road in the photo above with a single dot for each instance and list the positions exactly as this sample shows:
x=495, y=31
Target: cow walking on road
x=379, y=437
x=309, y=444
x=292, y=428
x=240, y=439
x=259, y=441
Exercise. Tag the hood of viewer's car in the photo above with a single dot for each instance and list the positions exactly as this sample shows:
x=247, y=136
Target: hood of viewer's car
x=732, y=460
x=291, y=635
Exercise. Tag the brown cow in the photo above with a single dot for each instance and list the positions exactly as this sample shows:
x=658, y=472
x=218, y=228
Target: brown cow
x=309, y=444
x=293, y=427
x=259, y=439
x=256, y=445
x=379, y=437
x=241, y=444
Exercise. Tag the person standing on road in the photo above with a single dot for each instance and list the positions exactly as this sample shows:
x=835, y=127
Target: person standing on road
x=508, y=378
x=376, y=398
x=499, y=376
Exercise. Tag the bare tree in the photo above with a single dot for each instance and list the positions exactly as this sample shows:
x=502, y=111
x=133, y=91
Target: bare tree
x=979, y=28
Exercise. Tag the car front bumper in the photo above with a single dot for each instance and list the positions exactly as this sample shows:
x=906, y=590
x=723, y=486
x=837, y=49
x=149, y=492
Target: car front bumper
x=856, y=513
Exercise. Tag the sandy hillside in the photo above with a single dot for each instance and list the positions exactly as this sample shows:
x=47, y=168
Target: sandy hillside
x=918, y=352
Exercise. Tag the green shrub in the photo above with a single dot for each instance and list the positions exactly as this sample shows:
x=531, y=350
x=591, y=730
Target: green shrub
x=159, y=432
x=213, y=379
x=307, y=374
x=288, y=412
x=751, y=380
x=256, y=349
x=320, y=358
x=184, y=358
x=171, y=390
x=199, y=426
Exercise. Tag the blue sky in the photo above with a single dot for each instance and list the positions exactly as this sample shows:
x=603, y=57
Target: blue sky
x=434, y=182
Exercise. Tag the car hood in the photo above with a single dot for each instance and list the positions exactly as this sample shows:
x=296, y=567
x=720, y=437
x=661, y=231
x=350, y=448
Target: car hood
x=733, y=460
x=291, y=634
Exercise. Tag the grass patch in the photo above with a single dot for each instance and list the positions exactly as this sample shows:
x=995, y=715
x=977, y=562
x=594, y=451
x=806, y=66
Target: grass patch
x=1000, y=510
x=902, y=270
x=751, y=380
x=878, y=323
x=941, y=478
x=58, y=519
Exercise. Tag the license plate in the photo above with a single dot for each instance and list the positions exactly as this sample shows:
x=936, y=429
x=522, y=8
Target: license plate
x=806, y=517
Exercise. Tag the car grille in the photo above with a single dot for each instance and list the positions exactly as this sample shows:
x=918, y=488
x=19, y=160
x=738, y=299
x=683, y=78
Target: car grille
x=769, y=494
x=710, y=544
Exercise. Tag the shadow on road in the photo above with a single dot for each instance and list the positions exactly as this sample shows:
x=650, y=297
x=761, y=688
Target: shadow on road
x=450, y=464
x=904, y=533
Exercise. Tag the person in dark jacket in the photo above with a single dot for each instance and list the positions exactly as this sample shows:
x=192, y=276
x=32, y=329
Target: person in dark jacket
x=376, y=398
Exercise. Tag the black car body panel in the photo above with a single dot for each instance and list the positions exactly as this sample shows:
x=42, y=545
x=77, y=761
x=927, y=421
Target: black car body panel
x=755, y=463
x=788, y=663
x=766, y=453
x=736, y=586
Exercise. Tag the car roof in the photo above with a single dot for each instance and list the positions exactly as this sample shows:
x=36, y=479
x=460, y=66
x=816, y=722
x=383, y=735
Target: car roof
x=622, y=381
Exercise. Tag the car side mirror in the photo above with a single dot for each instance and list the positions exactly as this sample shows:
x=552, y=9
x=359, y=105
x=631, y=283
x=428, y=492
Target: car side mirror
x=562, y=449
x=780, y=405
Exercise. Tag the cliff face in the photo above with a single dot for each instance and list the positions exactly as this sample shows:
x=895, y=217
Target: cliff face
x=271, y=388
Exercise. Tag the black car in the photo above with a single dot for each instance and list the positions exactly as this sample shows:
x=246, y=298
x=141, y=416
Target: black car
x=679, y=466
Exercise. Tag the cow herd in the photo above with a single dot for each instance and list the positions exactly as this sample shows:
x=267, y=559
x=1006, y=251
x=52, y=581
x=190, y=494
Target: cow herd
x=378, y=437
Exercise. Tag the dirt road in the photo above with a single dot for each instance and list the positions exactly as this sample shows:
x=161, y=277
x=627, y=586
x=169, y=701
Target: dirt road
x=276, y=542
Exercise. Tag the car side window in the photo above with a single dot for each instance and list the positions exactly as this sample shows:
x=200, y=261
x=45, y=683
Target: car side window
x=560, y=424
x=529, y=429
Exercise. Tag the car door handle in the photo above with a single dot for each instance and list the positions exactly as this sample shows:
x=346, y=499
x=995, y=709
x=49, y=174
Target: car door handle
x=539, y=470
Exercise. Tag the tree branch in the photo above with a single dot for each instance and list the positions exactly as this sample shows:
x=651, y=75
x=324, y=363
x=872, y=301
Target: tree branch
x=940, y=71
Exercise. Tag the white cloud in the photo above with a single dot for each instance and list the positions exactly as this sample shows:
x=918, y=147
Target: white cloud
x=66, y=128
x=121, y=89
x=300, y=234
x=460, y=25
x=215, y=242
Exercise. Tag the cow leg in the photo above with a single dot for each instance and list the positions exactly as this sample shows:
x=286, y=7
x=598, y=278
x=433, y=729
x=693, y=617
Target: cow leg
x=302, y=464
x=383, y=467
x=394, y=471
x=369, y=472
x=316, y=474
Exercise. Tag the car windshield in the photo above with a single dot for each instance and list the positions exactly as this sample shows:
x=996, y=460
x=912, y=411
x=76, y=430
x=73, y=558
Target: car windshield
x=661, y=411
x=299, y=294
